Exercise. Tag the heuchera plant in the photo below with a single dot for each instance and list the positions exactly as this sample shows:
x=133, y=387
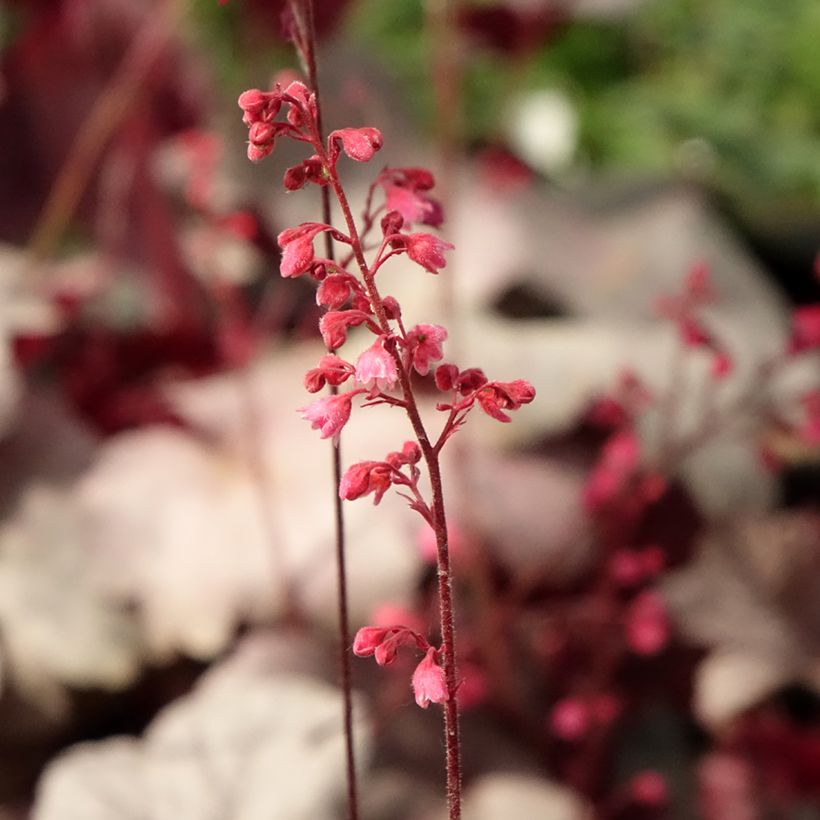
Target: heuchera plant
x=387, y=371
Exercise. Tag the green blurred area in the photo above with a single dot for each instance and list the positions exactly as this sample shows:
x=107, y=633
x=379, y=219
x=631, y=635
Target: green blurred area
x=725, y=90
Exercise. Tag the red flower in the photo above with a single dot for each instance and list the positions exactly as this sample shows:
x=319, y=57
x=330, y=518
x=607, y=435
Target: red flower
x=364, y=478
x=297, y=247
x=384, y=641
x=376, y=368
x=329, y=414
x=359, y=144
x=426, y=250
x=429, y=684
x=331, y=370
x=335, y=323
x=495, y=397
x=423, y=343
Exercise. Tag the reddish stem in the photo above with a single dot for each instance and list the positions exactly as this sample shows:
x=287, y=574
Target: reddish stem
x=431, y=458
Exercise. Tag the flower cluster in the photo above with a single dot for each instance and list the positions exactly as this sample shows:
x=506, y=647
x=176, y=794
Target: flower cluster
x=429, y=685
x=398, y=354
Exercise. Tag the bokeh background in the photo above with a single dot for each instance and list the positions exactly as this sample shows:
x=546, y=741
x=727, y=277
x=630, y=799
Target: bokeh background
x=633, y=189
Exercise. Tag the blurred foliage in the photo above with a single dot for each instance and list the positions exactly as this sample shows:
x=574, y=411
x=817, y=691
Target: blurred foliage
x=725, y=91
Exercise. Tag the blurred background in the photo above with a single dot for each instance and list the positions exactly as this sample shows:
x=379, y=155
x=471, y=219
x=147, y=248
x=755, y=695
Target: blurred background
x=633, y=189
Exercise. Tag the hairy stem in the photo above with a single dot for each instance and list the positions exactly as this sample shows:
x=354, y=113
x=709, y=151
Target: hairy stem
x=431, y=458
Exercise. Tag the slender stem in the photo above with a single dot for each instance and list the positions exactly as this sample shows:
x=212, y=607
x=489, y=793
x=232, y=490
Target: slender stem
x=305, y=23
x=431, y=458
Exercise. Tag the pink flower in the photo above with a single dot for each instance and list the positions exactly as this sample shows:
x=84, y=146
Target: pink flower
x=297, y=247
x=376, y=368
x=495, y=397
x=424, y=345
x=364, y=478
x=413, y=206
x=429, y=684
x=331, y=370
x=426, y=250
x=359, y=144
x=329, y=414
x=383, y=642
x=335, y=323
x=334, y=290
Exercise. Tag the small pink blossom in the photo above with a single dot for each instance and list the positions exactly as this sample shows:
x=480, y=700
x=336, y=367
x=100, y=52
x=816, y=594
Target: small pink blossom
x=364, y=478
x=413, y=206
x=424, y=345
x=331, y=370
x=376, y=368
x=429, y=684
x=383, y=642
x=334, y=290
x=495, y=397
x=360, y=144
x=329, y=414
x=335, y=323
x=297, y=247
x=426, y=250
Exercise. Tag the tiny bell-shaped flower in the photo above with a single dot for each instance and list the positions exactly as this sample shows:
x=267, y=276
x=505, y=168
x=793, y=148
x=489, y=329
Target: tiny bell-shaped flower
x=423, y=343
x=331, y=370
x=376, y=368
x=297, y=247
x=429, y=684
x=330, y=413
x=359, y=144
x=427, y=250
x=364, y=478
x=335, y=323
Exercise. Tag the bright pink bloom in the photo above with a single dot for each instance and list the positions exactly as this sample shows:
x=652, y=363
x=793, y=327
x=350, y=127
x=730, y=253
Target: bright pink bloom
x=426, y=250
x=331, y=370
x=405, y=193
x=805, y=329
x=309, y=170
x=446, y=375
x=429, y=684
x=334, y=290
x=335, y=323
x=364, y=478
x=359, y=144
x=384, y=642
x=376, y=368
x=647, y=624
x=297, y=247
x=424, y=346
x=329, y=414
x=413, y=206
x=495, y=397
